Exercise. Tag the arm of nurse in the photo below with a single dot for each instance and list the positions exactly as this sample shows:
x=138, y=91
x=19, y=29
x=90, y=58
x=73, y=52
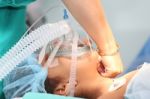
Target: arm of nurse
x=89, y=13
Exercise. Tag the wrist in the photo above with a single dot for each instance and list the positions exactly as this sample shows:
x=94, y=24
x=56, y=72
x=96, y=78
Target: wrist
x=109, y=50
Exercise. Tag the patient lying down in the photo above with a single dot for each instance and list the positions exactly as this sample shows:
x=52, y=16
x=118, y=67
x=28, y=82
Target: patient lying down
x=30, y=76
x=89, y=83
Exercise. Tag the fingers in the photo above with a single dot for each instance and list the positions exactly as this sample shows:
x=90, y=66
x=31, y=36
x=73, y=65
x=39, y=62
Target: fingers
x=110, y=66
x=111, y=73
x=101, y=68
x=108, y=72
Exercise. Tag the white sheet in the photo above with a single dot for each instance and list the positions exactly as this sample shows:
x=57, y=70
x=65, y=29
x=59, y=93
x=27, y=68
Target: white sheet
x=139, y=86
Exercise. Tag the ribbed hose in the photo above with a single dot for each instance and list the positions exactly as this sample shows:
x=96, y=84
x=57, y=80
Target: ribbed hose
x=29, y=44
x=27, y=41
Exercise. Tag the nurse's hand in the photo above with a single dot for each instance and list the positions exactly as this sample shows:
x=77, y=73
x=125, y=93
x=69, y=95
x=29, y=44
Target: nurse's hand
x=110, y=66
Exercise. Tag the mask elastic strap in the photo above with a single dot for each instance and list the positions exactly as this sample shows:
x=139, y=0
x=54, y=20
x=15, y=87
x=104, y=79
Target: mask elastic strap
x=88, y=38
x=53, y=54
x=72, y=79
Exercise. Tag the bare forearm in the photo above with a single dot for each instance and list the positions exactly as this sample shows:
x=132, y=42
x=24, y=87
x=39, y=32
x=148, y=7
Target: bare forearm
x=90, y=15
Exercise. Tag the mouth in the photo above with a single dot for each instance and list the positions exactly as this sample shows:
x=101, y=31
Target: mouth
x=101, y=68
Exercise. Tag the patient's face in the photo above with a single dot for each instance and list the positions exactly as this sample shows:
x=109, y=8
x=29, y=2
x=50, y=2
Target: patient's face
x=86, y=74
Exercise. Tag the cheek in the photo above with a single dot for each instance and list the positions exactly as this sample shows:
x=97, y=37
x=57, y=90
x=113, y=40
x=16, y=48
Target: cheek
x=88, y=64
x=86, y=71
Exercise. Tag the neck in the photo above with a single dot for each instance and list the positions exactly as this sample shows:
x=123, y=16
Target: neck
x=118, y=93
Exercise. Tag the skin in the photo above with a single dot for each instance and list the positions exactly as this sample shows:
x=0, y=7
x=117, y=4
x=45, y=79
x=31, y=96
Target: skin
x=90, y=15
x=119, y=94
x=90, y=84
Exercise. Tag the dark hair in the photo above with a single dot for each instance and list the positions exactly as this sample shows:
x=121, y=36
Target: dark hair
x=51, y=84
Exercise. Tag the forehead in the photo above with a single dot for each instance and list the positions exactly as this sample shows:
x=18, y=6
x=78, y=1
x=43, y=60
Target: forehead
x=61, y=67
x=63, y=64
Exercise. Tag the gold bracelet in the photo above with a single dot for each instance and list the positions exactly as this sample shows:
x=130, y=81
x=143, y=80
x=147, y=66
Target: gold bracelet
x=103, y=53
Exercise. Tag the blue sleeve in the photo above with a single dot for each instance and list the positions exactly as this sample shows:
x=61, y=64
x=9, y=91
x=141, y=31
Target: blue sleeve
x=14, y=3
x=143, y=56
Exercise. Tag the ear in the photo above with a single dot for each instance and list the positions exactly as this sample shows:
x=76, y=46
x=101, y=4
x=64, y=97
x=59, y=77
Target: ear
x=60, y=92
x=61, y=89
